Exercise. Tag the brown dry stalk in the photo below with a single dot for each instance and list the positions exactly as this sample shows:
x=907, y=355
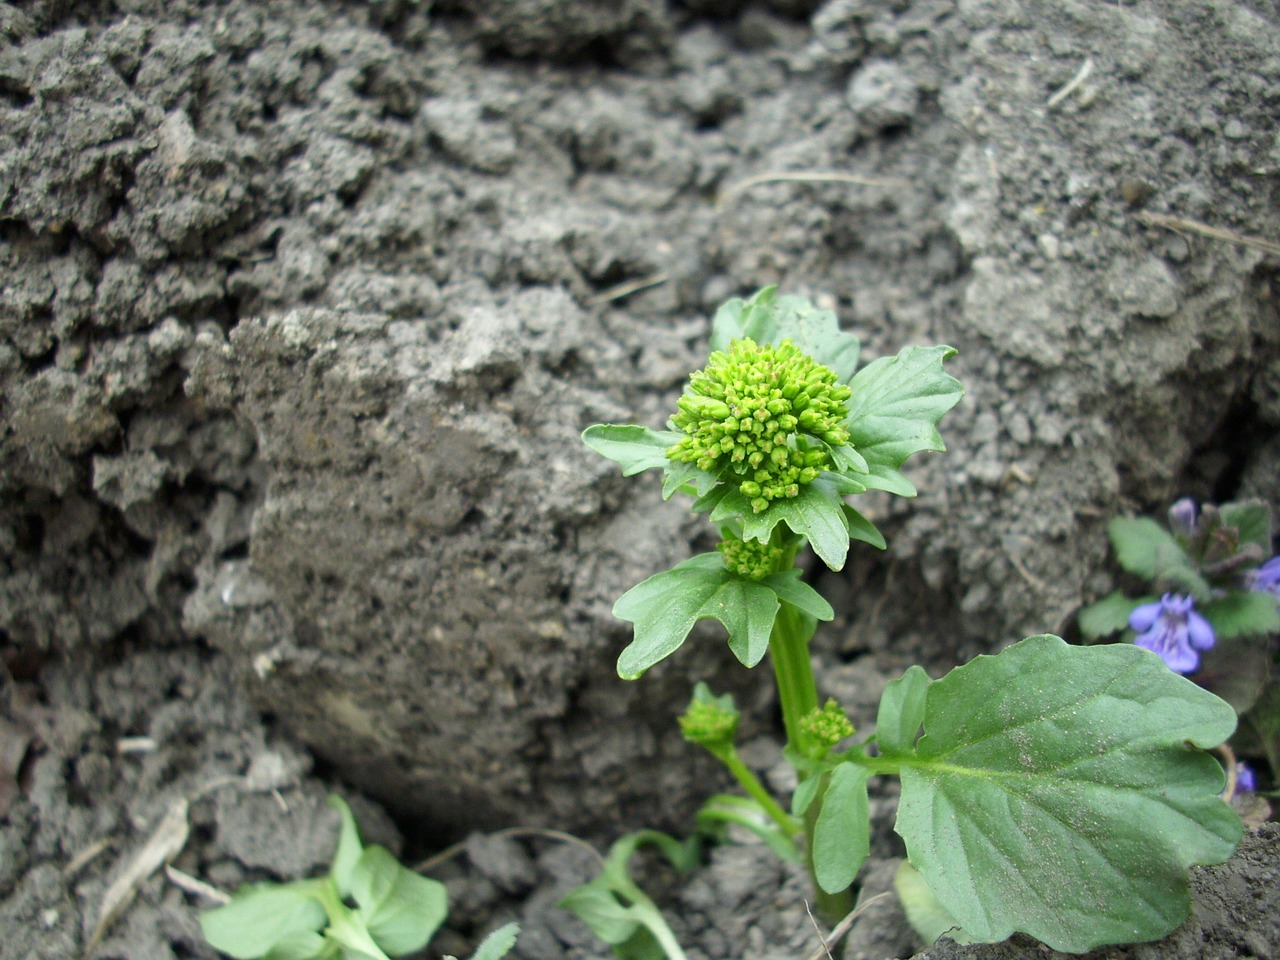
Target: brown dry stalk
x=1182, y=225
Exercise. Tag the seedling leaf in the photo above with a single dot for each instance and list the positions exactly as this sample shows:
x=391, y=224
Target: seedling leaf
x=260, y=918
x=401, y=909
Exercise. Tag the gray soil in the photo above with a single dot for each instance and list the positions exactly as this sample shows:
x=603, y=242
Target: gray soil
x=304, y=305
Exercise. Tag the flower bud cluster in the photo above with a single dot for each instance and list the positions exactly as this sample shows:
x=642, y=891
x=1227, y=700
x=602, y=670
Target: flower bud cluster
x=749, y=558
x=709, y=722
x=827, y=725
x=742, y=414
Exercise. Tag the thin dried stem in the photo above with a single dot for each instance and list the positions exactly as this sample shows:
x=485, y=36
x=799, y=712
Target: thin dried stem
x=448, y=853
x=1182, y=225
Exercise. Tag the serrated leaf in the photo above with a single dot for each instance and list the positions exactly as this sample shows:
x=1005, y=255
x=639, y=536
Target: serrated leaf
x=860, y=528
x=1056, y=791
x=842, y=836
x=400, y=909
x=790, y=588
x=498, y=943
x=632, y=447
x=816, y=514
x=1253, y=519
x=901, y=712
x=260, y=917
x=1144, y=547
x=665, y=607
x=897, y=403
x=1109, y=615
x=1243, y=613
x=349, y=846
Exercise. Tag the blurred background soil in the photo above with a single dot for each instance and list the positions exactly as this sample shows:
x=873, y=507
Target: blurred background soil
x=303, y=307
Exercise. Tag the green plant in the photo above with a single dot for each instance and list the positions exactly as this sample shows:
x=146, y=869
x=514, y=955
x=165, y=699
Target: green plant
x=1214, y=610
x=1056, y=790
x=367, y=907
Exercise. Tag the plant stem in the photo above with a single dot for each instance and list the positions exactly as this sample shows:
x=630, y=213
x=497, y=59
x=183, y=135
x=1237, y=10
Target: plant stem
x=797, y=691
x=751, y=783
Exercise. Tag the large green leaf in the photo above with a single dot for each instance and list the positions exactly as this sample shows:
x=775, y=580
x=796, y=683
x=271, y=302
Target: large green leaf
x=842, y=836
x=633, y=448
x=258, y=918
x=1144, y=547
x=401, y=909
x=1058, y=791
x=897, y=403
x=665, y=607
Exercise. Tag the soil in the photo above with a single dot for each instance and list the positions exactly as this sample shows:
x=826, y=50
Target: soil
x=304, y=305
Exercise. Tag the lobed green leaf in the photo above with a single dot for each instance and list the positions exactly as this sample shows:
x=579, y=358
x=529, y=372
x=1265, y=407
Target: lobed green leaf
x=632, y=447
x=665, y=607
x=896, y=405
x=1057, y=791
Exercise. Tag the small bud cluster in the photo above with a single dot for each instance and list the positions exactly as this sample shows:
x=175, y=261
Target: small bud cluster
x=749, y=558
x=709, y=722
x=827, y=725
x=742, y=413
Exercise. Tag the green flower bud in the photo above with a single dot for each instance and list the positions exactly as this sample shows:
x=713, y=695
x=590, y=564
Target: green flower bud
x=709, y=720
x=826, y=726
x=749, y=558
x=743, y=416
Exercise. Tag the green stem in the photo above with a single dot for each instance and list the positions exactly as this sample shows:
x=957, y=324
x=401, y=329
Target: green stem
x=797, y=696
x=793, y=672
x=751, y=783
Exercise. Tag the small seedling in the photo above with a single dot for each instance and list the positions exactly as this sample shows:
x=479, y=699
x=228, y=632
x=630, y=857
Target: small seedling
x=367, y=907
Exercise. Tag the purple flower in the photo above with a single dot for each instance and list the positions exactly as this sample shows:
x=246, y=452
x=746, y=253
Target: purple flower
x=1174, y=630
x=1267, y=578
x=1246, y=780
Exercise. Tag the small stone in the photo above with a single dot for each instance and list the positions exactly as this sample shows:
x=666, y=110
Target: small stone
x=1049, y=245
x=882, y=95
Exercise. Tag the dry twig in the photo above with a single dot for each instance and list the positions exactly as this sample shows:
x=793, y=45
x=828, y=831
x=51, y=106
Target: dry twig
x=1182, y=225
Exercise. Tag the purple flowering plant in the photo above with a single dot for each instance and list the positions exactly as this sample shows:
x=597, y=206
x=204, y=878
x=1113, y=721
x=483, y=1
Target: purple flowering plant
x=1028, y=778
x=1212, y=610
